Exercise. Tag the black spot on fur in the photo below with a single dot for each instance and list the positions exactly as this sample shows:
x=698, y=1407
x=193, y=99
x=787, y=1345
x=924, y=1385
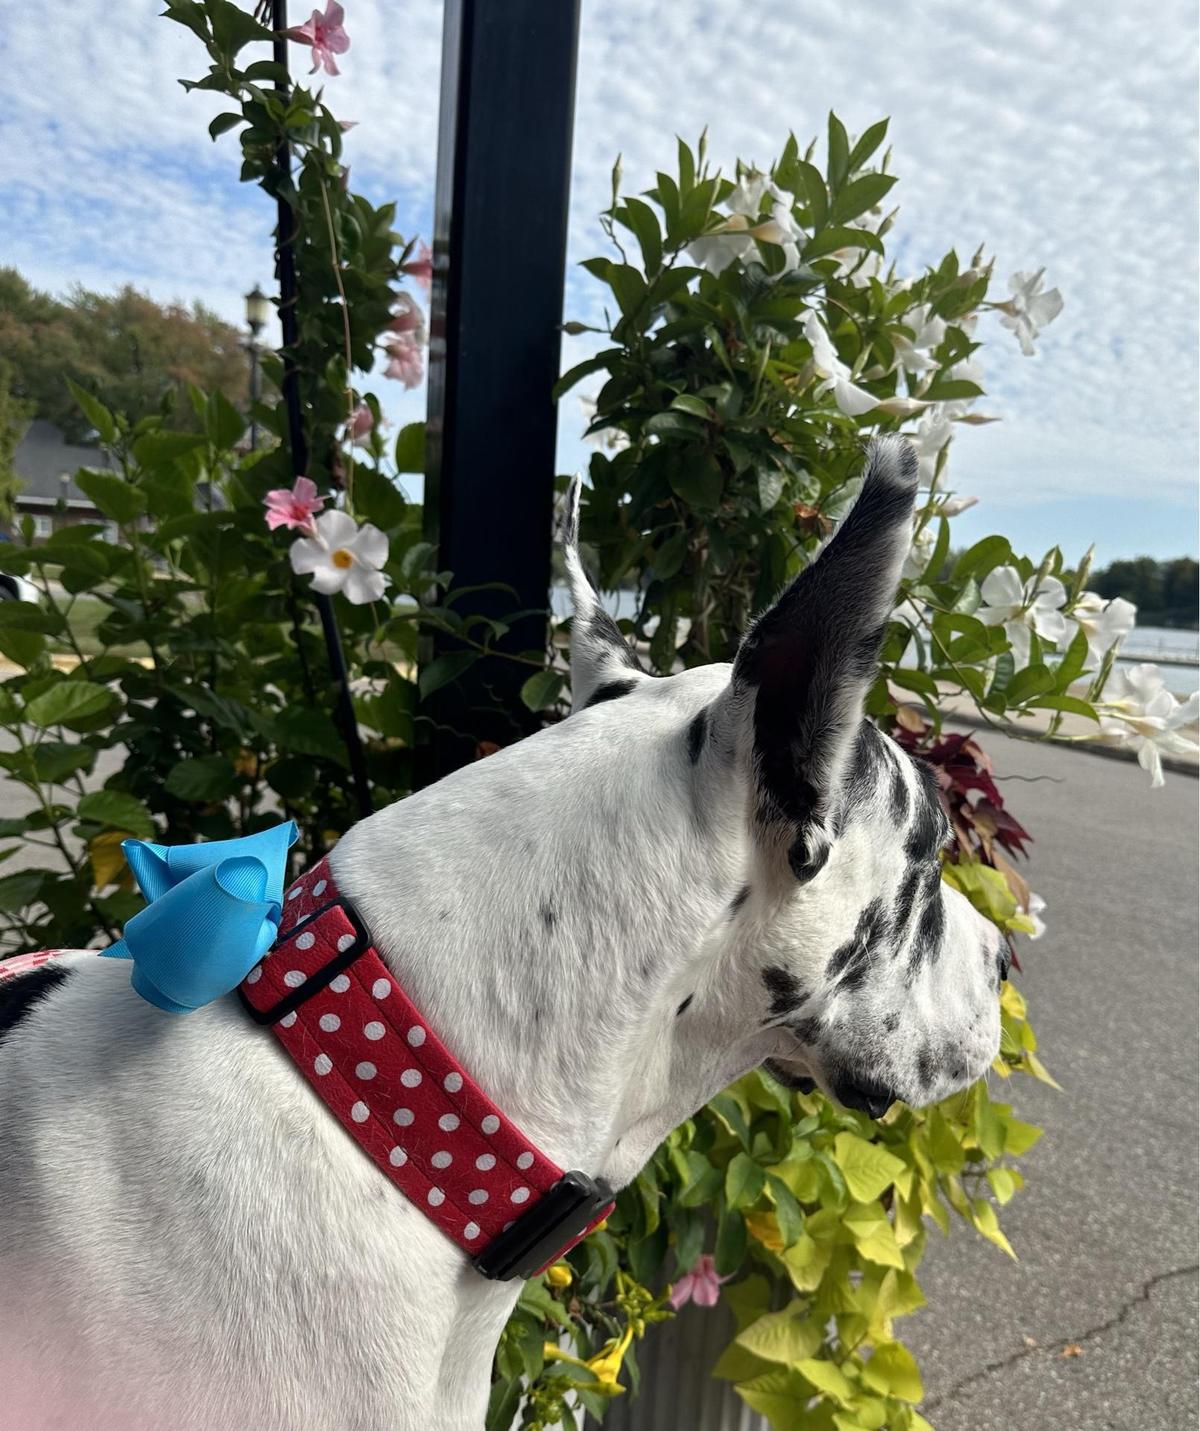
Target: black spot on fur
x=603, y=629
x=852, y=962
x=697, y=735
x=899, y=797
x=786, y=991
x=927, y=1066
x=683, y=1007
x=549, y=915
x=806, y=1031
x=739, y=899
x=891, y=1023
x=903, y=908
x=930, y=826
x=18, y=996
x=610, y=691
x=927, y=944
x=806, y=866
x=864, y=772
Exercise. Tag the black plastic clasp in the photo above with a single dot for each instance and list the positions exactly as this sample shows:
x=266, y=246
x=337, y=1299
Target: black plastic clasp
x=549, y=1226
x=319, y=978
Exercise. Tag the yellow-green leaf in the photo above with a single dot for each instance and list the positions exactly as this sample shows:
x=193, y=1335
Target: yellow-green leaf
x=892, y=1371
x=867, y=1168
x=827, y=1378
x=785, y=1337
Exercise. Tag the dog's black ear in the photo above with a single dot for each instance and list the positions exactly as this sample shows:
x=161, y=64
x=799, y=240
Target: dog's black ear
x=603, y=664
x=804, y=667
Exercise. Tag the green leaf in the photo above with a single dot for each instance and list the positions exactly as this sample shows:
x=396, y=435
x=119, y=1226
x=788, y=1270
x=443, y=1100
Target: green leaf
x=892, y=1371
x=119, y=810
x=827, y=1378
x=1072, y=705
x=668, y=558
x=582, y=370
x=788, y=1212
x=870, y=140
x=443, y=669
x=96, y=413
x=115, y=497
x=770, y=488
x=983, y=557
x=827, y=240
x=542, y=689
x=640, y=217
x=222, y=123
x=1030, y=682
x=687, y=402
x=729, y=1251
x=867, y=1168
x=698, y=479
x=68, y=701
x=21, y=647
x=859, y=195
x=786, y=1337
x=744, y=1181
x=839, y=152
x=222, y=421
x=202, y=780
x=410, y=448
x=18, y=891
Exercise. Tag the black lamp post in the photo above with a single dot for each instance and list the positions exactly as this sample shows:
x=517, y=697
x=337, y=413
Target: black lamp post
x=258, y=311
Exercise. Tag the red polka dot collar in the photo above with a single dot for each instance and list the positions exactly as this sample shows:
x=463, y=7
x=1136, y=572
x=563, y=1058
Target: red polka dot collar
x=400, y=1094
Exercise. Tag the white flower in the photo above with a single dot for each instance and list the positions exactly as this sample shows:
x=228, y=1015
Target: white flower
x=929, y=331
x=342, y=556
x=952, y=506
x=1033, y=912
x=932, y=434
x=858, y=265
x=1105, y=622
x=1139, y=713
x=919, y=551
x=850, y=399
x=1028, y=311
x=734, y=239
x=1019, y=608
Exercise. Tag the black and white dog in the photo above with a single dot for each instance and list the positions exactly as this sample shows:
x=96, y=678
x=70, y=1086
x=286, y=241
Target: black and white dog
x=606, y=924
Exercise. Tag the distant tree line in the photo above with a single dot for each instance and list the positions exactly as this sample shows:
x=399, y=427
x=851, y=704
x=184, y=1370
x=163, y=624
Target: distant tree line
x=137, y=356
x=1165, y=592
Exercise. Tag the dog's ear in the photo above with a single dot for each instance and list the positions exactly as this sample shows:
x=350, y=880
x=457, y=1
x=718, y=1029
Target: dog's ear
x=804, y=667
x=602, y=662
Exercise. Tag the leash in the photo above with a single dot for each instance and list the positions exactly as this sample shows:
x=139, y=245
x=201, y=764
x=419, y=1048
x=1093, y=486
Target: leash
x=305, y=966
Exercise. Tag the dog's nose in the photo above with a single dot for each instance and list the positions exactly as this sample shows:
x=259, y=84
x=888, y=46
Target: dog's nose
x=872, y=1099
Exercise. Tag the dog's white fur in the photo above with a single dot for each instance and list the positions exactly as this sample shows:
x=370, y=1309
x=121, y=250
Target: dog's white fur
x=190, y=1241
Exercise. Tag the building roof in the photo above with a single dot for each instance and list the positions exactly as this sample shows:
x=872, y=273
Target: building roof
x=43, y=457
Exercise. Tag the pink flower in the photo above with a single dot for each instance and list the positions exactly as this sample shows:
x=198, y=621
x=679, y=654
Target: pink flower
x=406, y=360
x=294, y=509
x=326, y=35
x=702, y=1285
x=421, y=267
x=362, y=420
x=408, y=317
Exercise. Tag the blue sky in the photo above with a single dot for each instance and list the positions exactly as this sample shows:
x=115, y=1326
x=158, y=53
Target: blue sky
x=1059, y=135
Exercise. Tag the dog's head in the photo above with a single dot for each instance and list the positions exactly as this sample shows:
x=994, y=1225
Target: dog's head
x=872, y=976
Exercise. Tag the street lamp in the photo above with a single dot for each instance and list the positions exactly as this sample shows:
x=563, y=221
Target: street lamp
x=258, y=310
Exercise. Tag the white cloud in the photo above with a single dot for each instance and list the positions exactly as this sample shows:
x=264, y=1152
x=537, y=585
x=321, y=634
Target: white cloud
x=1061, y=135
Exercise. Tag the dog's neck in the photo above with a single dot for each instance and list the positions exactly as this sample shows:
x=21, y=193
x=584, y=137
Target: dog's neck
x=552, y=944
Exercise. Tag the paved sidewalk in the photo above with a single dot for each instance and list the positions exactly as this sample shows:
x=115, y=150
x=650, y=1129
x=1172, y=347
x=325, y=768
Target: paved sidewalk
x=1094, y=1329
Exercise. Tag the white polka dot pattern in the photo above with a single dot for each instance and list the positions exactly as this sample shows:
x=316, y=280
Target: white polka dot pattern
x=363, y=1045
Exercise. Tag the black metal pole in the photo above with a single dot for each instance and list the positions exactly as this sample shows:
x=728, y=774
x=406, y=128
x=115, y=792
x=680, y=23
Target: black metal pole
x=500, y=234
x=255, y=390
x=286, y=268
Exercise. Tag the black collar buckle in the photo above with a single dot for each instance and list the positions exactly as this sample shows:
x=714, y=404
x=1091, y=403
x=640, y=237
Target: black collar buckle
x=551, y=1225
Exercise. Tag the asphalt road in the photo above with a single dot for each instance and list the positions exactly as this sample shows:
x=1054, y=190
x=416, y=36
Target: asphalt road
x=1095, y=1327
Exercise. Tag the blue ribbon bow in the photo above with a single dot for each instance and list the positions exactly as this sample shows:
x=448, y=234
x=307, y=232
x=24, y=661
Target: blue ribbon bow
x=213, y=911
